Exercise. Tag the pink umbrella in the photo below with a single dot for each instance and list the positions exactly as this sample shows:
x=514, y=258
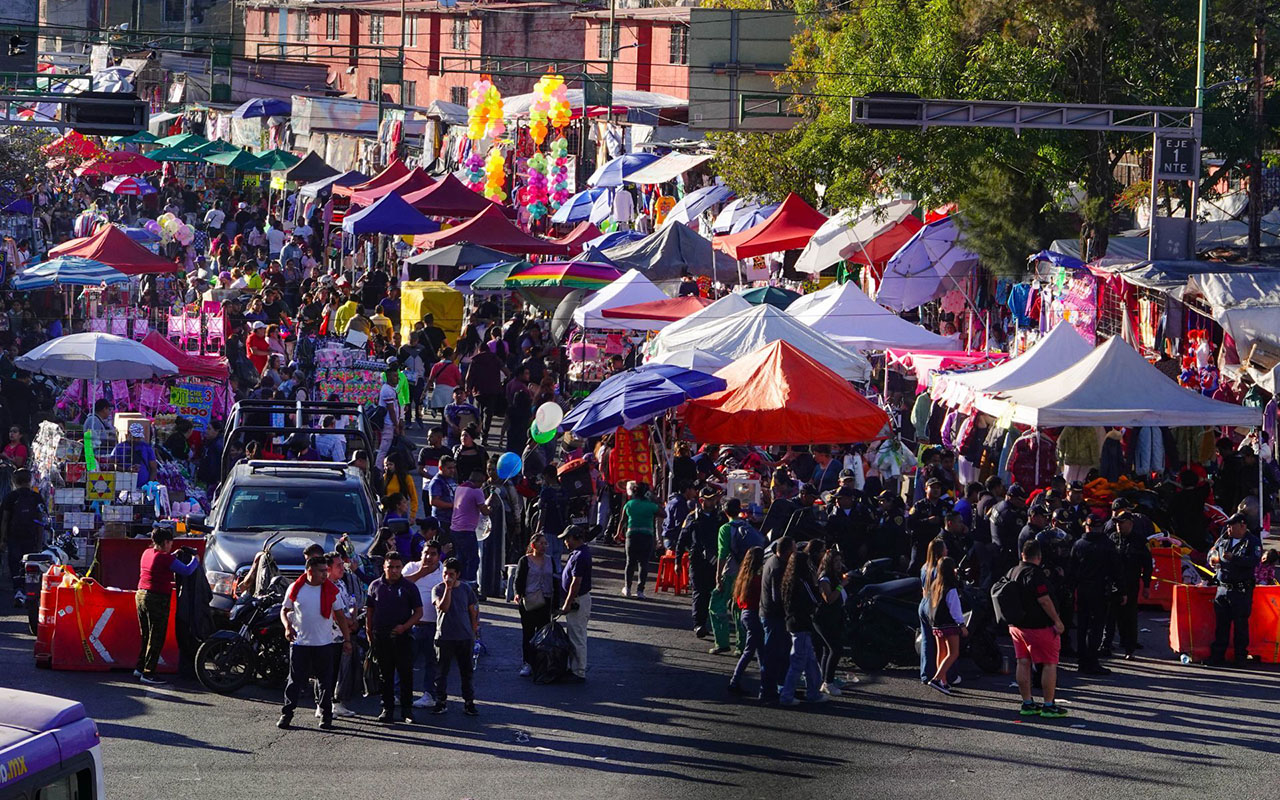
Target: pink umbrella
x=118, y=162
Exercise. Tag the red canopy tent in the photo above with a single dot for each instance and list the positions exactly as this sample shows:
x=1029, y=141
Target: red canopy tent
x=780, y=396
x=789, y=227
x=113, y=247
x=669, y=310
x=118, y=162
x=393, y=172
x=189, y=366
x=941, y=212
x=450, y=197
x=491, y=228
x=72, y=143
x=580, y=235
x=412, y=181
x=877, y=252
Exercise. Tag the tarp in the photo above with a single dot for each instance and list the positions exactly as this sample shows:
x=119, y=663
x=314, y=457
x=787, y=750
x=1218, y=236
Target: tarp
x=925, y=363
x=633, y=287
x=669, y=167
x=414, y=181
x=450, y=197
x=317, y=187
x=391, y=215
x=1059, y=349
x=113, y=247
x=391, y=173
x=491, y=228
x=459, y=255
x=623, y=101
x=419, y=298
x=926, y=267
x=850, y=318
x=664, y=255
x=735, y=336
x=311, y=168
x=67, y=271
x=1113, y=385
x=577, y=238
x=849, y=231
x=790, y=227
x=655, y=315
x=188, y=365
x=1223, y=290
x=779, y=395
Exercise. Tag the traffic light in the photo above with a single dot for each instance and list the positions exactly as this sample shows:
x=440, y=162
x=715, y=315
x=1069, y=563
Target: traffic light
x=106, y=113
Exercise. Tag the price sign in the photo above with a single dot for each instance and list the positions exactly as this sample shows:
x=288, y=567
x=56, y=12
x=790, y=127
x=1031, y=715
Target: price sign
x=193, y=401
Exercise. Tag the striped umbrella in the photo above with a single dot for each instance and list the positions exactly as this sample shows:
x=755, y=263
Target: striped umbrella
x=565, y=275
x=67, y=271
x=130, y=185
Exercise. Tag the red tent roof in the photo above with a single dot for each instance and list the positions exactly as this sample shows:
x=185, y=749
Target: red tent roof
x=881, y=248
x=189, y=366
x=393, y=172
x=412, y=181
x=113, y=247
x=789, y=227
x=580, y=235
x=118, y=162
x=449, y=197
x=492, y=229
x=780, y=396
x=71, y=143
x=669, y=310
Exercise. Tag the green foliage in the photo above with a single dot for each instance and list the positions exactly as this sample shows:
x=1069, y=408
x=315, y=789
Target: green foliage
x=1006, y=218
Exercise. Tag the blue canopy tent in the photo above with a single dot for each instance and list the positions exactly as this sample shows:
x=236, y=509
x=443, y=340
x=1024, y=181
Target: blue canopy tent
x=389, y=214
x=67, y=271
x=615, y=239
x=615, y=172
x=694, y=203
x=637, y=396
x=463, y=282
x=263, y=107
x=577, y=207
x=20, y=206
x=141, y=235
x=1057, y=259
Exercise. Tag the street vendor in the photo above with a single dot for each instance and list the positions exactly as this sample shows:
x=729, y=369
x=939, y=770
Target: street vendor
x=135, y=455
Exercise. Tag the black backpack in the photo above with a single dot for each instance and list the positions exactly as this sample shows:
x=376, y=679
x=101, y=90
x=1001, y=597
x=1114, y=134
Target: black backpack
x=1008, y=598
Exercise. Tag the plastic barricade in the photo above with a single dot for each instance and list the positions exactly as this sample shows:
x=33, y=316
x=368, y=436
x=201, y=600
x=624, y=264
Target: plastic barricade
x=1264, y=624
x=47, y=617
x=1167, y=573
x=1191, y=620
x=96, y=629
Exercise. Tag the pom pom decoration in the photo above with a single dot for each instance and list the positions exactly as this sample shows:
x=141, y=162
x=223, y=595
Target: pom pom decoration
x=558, y=172
x=550, y=105
x=495, y=175
x=534, y=196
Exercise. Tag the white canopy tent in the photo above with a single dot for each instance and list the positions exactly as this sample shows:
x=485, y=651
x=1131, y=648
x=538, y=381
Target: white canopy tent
x=726, y=306
x=1058, y=350
x=735, y=336
x=1113, y=385
x=850, y=318
x=633, y=287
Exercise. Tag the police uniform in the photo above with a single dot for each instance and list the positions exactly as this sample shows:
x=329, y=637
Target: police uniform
x=921, y=522
x=890, y=537
x=1234, y=601
x=699, y=537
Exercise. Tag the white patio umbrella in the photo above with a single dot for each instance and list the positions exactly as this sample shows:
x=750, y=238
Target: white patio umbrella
x=96, y=356
x=848, y=231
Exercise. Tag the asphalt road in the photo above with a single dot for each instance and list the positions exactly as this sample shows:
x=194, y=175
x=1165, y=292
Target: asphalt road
x=654, y=721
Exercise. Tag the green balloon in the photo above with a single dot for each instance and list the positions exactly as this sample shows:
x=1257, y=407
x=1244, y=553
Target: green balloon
x=541, y=437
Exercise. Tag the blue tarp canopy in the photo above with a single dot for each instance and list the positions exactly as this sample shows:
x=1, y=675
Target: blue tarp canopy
x=1058, y=259
x=636, y=396
x=389, y=214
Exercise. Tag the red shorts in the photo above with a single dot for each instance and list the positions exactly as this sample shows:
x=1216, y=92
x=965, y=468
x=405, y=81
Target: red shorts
x=1038, y=644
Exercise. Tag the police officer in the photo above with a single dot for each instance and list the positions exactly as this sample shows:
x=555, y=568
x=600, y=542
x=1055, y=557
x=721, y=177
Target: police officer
x=1037, y=521
x=1234, y=557
x=1094, y=569
x=1076, y=511
x=1136, y=566
x=699, y=537
x=925, y=521
x=889, y=538
x=847, y=526
x=1008, y=517
x=809, y=520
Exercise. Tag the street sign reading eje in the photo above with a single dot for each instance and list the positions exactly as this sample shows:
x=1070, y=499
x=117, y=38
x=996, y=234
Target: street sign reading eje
x=1177, y=158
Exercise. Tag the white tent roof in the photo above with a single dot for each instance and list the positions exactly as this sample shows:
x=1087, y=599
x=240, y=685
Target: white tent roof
x=1113, y=385
x=1060, y=349
x=852, y=319
x=848, y=231
x=726, y=306
x=735, y=336
x=633, y=287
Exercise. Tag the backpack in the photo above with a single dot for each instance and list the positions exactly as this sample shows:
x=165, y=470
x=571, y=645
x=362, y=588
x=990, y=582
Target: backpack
x=743, y=537
x=1007, y=597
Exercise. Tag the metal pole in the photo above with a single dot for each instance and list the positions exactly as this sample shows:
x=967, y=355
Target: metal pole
x=1255, y=160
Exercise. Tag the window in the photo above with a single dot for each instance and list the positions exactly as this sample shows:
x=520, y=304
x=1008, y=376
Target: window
x=680, y=45
x=268, y=18
x=460, y=34
x=411, y=32
x=376, y=23
x=304, y=27
x=408, y=93
x=606, y=41
x=373, y=89
x=458, y=95
x=331, y=25
x=259, y=508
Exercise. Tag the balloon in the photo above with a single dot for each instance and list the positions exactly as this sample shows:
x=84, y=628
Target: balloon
x=509, y=465
x=549, y=416
x=541, y=437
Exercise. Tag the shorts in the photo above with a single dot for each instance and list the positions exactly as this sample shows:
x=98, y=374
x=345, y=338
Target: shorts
x=1041, y=645
x=944, y=632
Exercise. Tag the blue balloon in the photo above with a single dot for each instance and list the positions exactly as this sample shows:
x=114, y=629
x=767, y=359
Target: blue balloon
x=509, y=465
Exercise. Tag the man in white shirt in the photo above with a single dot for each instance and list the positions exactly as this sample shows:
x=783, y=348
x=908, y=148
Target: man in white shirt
x=427, y=574
x=389, y=398
x=275, y=238
x=214, y=219
x=310, y=615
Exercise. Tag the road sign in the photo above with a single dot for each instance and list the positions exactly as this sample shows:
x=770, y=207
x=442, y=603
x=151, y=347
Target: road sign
x=1177, y=158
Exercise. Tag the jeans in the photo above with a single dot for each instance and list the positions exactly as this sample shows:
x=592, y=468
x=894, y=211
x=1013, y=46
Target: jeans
x=153, y=620
x=306, y=662
x=753, y=648
x=703, y=580
x=467, y=550
x=424, y=650
x=450, y=651
x=575, y=624
x=802, y=660
x=384, y=442
x=395, y=660
x=639, y=554
x=773, y=656
x=530, y=623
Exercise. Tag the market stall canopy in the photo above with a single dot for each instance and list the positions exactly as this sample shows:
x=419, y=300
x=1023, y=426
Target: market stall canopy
x=1113, y=385
x=633, y=287
x=694, y=203
x=790, y=227
x=741, y=214
x=390, y=174
x=563, y=275
x=242, y=160
x=780, y=395
x=141, y=235
x=927, y=266
x=318, y=187
x=175, y=155
x=773, y=295
x=667, y=254
x=129, y=185
x=849, y=231
x=450, y=197
x=459, y=255
x=636, y=396
x=278, y=160
x=184, y=141
x=495, y=278
x=577, y=238
x=1059, y=349
x=390, y=215
x=925, y=363
x=615, y=239
x=1222, y=290
x=668, y=167
x=311, y=168
x=263, y=107
x=212, y=147
x=141, y=137
x=619, y=170
x=113, y=247
x=67, y=271
x=747, y=331
x=20, y=206
x=623, y=101
x=118, y=162
x=413, y=181
x=726, y=306
x=72, y=143
x=491, y=228
x=189, y=366
x=850, y=318
x=655, y=315
x=96, y=356
x=578, y=206
x=463, y=282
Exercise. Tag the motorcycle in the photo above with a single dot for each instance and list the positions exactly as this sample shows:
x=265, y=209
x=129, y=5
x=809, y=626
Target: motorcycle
x=255, y=649
x=60, y=552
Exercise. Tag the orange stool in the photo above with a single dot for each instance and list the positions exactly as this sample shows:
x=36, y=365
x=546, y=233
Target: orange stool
x=670, y=577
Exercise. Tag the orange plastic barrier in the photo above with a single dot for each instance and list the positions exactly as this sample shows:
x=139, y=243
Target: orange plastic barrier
x=96, y=629
x=1192, y=622
x=45, y=617
x=1167, y=572
x=1264, y=624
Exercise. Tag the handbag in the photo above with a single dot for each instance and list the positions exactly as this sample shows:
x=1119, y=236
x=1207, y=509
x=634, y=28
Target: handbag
x=372, y=679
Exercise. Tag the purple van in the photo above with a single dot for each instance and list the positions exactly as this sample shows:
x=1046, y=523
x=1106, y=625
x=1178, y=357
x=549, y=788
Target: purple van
x=49, y=748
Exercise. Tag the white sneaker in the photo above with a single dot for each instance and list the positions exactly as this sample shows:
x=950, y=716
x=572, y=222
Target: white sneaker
x=956, y=682
x=426, y=701
x=831, y=689
x=525, y=670
x=318, y=714
x=640, y=594
x=626, y=591
x=341, y=710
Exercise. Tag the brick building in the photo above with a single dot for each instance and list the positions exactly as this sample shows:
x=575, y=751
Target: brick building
x=653, y=47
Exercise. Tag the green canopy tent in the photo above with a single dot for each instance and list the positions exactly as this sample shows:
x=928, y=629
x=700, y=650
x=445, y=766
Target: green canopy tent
x=174, y=154
x=182, y=141
x=214, y=147
x=278, y=159
x=242, y=160
x=141, y=137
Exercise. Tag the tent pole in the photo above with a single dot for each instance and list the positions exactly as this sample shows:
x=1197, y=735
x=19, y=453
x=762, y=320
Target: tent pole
x=1037, y=454
x=1257, y=432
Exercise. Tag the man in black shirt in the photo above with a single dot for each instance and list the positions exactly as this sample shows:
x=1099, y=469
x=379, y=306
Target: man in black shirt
x=1094, y=569
x=777, y=642
x=1036, y=637
x=700, y=539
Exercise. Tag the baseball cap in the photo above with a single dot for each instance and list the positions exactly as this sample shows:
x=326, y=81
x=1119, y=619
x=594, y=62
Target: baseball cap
x=1120, y=502
x=933, y=482
x=887, y=494
x=1040, y=508
x=1234, y=518
x=259, y=325
x=576, y=531
x=846, y=491
x=1076, y=486
x=709, y=491
x=1016, y=490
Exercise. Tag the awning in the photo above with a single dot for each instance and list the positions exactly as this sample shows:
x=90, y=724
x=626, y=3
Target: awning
x=669, y=167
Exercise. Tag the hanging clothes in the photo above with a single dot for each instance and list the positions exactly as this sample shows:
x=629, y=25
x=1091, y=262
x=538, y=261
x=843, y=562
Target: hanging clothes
x=1031, y=460
x=1112, y=463
x=1148, y=451
x=920, y=413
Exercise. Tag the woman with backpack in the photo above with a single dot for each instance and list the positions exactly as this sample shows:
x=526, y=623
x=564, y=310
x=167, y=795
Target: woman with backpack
x=947, y=620
x=800, y=601
x=746, y=596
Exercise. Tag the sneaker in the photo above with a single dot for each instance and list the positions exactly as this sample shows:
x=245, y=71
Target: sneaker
x=819, y=698
x=1052, y=711
x=701, y=631
x=152, y=680
x=831, y=689
x=285, y=722
x=940, y=686
x=955, y=681
x=1030, y=708
x=426, y=701
x=386, y=716
x=719, y=650
x=326, y=723
x=789, y=702
x=341, y=710
x=525, y=670
x=438, y=708
x=137, y=673
x=626, y=591
x=408, y=719
x=470, y=710
x=639, y=594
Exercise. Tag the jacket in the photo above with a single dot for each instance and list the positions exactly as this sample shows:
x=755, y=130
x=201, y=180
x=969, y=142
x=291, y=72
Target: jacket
x=1095, y=563
x=1148, y=451
x=1028, y=450
x=700, y=534
x=1079, y=447
x=194, y=596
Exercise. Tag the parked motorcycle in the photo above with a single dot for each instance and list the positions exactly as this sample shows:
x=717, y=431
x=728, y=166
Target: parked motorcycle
x=61, y=551
x=254, y=648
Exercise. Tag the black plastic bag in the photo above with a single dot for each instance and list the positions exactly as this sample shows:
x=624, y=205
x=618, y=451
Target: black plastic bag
x=372, y=678
x=552, y=650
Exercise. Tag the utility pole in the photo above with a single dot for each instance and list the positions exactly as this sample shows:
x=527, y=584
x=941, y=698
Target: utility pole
x=1259, y=100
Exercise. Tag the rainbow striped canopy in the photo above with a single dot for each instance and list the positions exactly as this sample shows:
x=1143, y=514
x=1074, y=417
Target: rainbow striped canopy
x=564, y=274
